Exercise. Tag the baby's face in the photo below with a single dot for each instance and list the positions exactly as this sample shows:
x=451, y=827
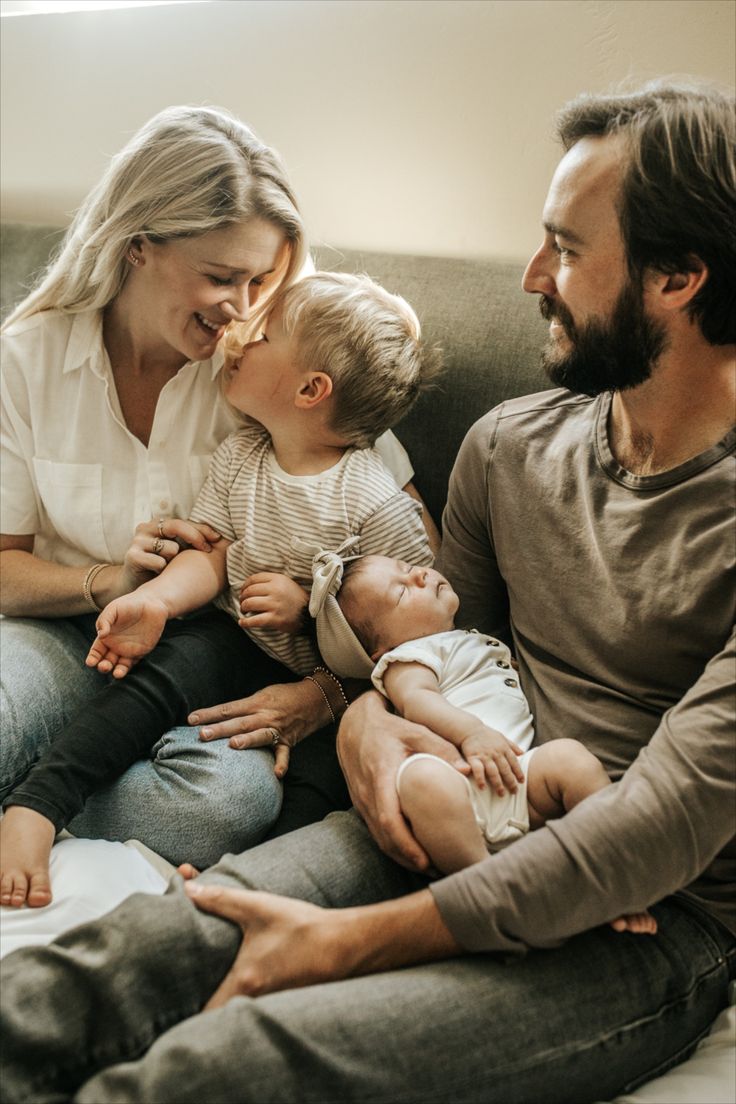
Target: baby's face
x=403, y=602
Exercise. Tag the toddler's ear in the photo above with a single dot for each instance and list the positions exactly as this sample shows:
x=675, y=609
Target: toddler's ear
x=314, y=389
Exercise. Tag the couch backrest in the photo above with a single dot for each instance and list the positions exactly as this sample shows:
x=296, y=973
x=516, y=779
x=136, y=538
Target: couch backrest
x=489, y=330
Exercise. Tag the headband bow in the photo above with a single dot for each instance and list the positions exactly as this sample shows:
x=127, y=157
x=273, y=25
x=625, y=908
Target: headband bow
x=339, y=646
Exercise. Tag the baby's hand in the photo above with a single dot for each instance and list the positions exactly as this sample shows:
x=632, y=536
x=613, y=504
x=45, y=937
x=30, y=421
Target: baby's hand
x=272, y=601
x=491, y=756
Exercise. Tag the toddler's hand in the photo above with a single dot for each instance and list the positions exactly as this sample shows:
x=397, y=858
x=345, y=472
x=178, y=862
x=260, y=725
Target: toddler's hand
x=272, y=601
x=491, y=756
x=127, y=629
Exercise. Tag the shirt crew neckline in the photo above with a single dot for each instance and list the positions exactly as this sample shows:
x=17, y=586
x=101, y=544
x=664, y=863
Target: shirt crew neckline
x=657, y=482
x=301, y=480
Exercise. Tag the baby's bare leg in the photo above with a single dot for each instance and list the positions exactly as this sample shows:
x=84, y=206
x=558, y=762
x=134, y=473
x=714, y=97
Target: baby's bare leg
x=561, y=774
x=435, y=801
x=26, y=839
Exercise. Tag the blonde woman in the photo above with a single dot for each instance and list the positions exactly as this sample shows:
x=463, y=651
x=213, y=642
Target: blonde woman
x=111, y=411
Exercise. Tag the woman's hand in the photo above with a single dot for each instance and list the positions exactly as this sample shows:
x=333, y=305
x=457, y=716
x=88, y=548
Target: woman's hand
x=287, y=710
x=372, y=743
x=156, y=543
x=272, y=601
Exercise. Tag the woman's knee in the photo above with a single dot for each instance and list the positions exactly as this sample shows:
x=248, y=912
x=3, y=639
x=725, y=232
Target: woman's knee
x=44, y=682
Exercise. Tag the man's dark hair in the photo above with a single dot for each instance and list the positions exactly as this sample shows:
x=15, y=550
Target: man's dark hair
x=678, y=197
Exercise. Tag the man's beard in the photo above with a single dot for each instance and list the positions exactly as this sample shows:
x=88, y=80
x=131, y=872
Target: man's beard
x=611, y=354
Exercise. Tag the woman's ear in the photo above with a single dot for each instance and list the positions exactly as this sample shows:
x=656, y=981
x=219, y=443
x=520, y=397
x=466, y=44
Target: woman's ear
x=314, y=389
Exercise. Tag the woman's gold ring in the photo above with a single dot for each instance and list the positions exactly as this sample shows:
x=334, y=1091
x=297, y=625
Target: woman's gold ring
x=157, y=546
x=161, y=527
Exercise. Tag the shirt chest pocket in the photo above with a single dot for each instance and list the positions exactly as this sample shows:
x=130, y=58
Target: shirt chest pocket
x=71, y=495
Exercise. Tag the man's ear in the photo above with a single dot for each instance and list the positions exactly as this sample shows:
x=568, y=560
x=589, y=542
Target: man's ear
x=314, y=389
x=675, y=290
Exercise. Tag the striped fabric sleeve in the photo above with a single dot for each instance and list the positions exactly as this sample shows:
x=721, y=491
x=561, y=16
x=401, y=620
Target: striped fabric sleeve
x=213, y=501
x=396, y=529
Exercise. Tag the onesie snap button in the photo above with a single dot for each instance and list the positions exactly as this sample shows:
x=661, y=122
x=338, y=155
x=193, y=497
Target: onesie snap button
x=492, y=644
x=510, y=682
x=502, y=663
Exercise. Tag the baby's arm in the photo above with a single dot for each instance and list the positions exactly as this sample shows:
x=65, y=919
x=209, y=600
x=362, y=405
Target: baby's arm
x=414, y=691
x=130, y=627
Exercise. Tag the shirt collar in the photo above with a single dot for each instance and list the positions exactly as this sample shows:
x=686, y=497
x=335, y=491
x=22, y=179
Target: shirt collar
x=85, y=344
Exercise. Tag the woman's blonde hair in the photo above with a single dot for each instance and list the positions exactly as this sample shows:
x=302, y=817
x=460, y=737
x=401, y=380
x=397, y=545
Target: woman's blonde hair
x=188, y=171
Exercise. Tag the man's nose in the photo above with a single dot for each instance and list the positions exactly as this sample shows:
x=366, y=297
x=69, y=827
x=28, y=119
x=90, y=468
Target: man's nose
x=537, y=278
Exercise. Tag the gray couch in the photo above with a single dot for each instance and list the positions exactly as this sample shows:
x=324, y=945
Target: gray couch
x=489, y=330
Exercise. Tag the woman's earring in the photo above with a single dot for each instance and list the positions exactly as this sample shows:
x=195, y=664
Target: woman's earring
x=132, y=257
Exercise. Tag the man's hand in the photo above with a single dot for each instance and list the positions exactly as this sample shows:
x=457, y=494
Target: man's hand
x=491, y=756
x=288, y=943
x=127, y=629
x=272, y=601
x=291, y=709
x=371, y=744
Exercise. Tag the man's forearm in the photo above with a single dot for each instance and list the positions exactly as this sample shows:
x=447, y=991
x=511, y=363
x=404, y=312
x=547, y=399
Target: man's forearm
x=391, y=934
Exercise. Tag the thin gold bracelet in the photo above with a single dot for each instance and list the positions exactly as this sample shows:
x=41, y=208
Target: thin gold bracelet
x=338, y=708
x=324, y=695
x=89, y=578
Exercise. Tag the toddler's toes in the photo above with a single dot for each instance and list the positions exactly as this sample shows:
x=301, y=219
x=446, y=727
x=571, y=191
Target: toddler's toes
x=39, y=890
x=13, y=889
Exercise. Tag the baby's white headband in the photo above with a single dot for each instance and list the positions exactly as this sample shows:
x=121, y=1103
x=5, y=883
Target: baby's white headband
x=339, y=646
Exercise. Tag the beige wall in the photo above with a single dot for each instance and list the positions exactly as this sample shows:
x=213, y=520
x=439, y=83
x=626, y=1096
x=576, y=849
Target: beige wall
x=411, y=125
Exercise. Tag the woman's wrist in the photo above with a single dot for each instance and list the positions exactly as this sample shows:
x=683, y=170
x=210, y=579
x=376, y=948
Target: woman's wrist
x=98, y=586
x=331, y=690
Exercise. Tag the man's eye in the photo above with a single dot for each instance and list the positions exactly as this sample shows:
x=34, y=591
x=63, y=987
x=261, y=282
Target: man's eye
x=562, y=250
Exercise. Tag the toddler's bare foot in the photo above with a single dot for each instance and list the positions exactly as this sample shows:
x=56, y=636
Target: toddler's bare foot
x=640, y=923
x=26, y=839
x=188, y=871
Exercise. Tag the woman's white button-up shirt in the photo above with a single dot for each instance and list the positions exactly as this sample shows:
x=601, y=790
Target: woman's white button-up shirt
x=72, y=472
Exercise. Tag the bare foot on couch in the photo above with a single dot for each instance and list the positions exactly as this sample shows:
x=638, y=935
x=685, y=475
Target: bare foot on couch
x=188, y=871
x=26, y=839
x=639, y=923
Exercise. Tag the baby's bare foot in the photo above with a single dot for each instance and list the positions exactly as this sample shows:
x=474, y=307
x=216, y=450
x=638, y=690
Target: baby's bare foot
x=639, y=923
x=26, y=839
x=188, y=871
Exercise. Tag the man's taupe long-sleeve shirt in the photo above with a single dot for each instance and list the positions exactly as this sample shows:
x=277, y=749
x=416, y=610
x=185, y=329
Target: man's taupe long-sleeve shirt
x=619, y=594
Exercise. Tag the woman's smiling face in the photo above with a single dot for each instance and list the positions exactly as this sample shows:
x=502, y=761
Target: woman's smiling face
x=191, y=288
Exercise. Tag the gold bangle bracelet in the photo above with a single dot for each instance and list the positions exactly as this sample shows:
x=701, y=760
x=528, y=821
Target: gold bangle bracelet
x=89, y=578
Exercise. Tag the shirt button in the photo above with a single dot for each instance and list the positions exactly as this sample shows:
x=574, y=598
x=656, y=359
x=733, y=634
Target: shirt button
x=510, y=682
x=163, y=504
x=502, y=663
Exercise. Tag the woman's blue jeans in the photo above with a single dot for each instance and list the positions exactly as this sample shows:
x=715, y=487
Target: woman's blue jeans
x=188, y=800
x=110, y=1012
